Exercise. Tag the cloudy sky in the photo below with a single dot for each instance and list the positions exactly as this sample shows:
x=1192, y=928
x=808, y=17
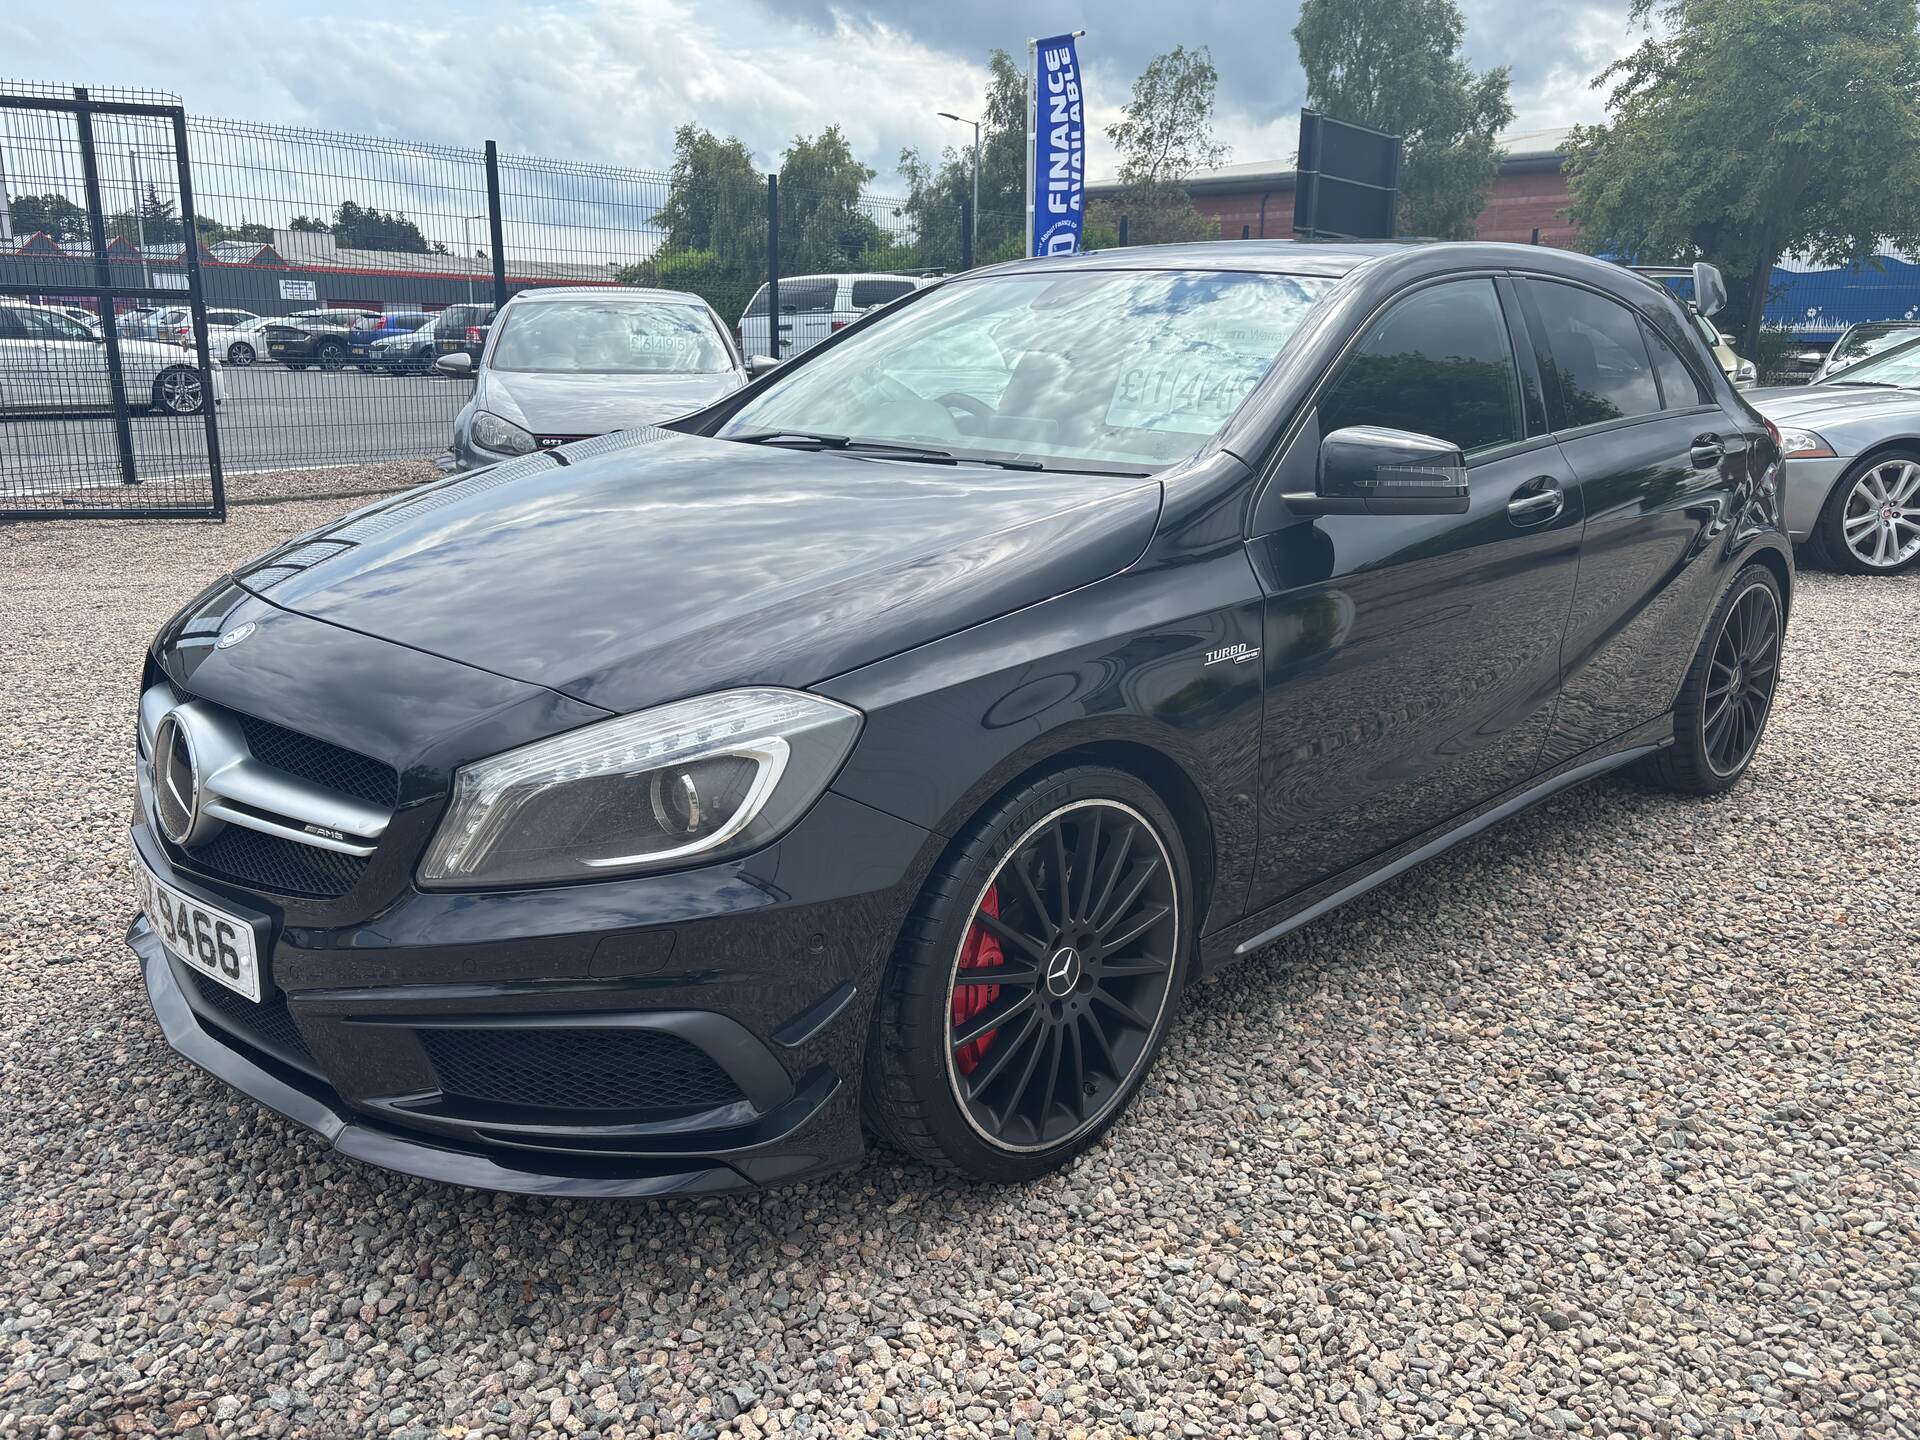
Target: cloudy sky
x=608, y=80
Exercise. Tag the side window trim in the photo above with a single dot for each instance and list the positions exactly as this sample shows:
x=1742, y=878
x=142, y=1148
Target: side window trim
x=1597, y=427
x=1526, y=360
x=1515, y=393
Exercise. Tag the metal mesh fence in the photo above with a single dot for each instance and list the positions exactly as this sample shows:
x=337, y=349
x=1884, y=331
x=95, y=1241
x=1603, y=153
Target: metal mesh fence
x=336, y=272
x=93, y=189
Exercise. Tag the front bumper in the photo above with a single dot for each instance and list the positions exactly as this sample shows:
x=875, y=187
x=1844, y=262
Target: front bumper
x=1807, y=484
x=766, y=987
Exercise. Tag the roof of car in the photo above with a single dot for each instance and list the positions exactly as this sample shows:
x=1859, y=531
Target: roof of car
x=608, y=292
x=1307, y=257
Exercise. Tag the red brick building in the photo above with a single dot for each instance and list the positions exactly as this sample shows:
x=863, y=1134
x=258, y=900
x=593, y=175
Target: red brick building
x=1528, y=200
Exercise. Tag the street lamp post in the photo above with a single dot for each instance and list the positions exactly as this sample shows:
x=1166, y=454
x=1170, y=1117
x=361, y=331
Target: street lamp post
x=974, y=239
x=466, y=243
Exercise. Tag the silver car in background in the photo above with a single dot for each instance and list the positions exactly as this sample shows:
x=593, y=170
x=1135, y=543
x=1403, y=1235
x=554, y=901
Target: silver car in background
x=1852, y=446
x=571, y=363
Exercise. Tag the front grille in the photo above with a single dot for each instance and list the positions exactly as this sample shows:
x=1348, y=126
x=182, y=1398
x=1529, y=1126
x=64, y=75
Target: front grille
x=328, y=766
x=285, y=867
x=267, y=1026
x=578, y=1069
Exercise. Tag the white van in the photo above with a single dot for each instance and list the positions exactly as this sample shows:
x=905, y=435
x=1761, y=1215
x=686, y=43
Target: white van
x=812, y=307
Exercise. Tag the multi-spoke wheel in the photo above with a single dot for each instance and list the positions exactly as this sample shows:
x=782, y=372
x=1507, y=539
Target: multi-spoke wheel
x=1871, y=525
x=1033, y=985
x=1723, y=706
x=178, y=391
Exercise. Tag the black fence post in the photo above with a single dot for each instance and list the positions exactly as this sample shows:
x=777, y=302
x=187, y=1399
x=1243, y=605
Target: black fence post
x=773, y=263
x=197, y=299
x=494, y=228
x=966, y=232
x=1123, y=229
x=103, y=277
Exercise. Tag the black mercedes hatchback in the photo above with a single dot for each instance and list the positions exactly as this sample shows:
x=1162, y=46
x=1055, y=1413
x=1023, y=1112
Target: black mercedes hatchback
x=883, y=750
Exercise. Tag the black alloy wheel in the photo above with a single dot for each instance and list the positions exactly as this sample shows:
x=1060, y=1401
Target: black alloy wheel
x=331, y=355
x=1740, y=680
x=1033, y=988
x=1728, y=694
x=240, y=354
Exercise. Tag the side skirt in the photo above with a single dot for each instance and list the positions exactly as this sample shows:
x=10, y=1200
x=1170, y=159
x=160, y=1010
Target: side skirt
x=1308, y=905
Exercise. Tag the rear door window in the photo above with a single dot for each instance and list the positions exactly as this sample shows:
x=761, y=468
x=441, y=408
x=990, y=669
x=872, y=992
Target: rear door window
x=1436, y=363
x=1679, y=390
x=803, y=295
x=1594, y=357
x=868, y=293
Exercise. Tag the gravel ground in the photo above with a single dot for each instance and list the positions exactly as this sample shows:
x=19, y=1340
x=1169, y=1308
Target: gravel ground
x=1605, y=1124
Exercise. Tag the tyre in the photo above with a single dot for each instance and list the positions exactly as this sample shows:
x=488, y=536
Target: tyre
x=331, y=355
x=1035, y=979
x=178, y=390
x=1870, y=524
x=1728, y=694
x=240, y=354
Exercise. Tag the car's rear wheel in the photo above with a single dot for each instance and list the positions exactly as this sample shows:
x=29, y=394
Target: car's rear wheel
x=240, y=353
x=178, y=391
x=1871, y=522
x=1033, y=984
x=331, y=356
x=1728, y=696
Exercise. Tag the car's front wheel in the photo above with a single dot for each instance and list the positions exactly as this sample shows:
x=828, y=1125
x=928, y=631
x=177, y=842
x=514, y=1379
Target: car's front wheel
x=178, y=391
x=1035, y=980
x=1871, y=522
x=331, y=356
x=240, y=354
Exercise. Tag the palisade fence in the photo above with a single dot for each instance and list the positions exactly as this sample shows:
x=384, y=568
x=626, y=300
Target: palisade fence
x=295, y=220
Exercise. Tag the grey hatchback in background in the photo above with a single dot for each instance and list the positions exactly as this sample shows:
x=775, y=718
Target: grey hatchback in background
x=569, y=364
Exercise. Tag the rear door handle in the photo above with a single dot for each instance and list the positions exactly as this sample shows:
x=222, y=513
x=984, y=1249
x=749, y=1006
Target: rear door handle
x=1706, y=452
x=1539, y=500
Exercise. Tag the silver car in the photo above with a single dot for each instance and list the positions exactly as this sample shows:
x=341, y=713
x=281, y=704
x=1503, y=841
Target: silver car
x=1852, y=444
x=567, y=364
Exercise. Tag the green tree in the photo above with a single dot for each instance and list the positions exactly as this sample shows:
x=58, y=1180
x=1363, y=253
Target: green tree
x=1746, y=130
x=52, y=214
x=712, y=191
x=358, y=227
x=823, y=225
x=712, y=224
x=1396, y=65
x=309, y=225
x=1166, y=135
x=937, y=192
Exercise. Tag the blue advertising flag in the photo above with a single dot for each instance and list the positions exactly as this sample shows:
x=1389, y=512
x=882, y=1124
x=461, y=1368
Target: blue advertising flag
x=1059, y=149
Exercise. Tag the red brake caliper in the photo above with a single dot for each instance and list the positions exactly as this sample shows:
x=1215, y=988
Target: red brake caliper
x=981, y=952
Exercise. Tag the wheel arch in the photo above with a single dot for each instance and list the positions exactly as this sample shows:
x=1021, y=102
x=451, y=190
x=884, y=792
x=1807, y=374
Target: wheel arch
x=1153, y=767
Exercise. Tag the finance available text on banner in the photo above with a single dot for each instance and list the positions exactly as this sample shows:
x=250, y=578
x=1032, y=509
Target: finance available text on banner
x=1059, y=149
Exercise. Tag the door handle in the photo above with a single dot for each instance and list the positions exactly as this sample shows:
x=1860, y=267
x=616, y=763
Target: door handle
x=1540, y=500
x=1706, y=452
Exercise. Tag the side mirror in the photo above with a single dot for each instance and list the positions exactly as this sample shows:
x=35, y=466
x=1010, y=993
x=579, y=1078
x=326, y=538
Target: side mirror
x=1709, y=288
x=758, y=365
x=458, y=363
x=1371, y=470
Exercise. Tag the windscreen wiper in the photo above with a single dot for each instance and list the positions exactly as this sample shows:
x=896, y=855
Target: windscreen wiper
x=1862, y=384
x=791, y=437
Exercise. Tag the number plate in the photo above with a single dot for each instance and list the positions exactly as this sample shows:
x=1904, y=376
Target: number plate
x=207, y=939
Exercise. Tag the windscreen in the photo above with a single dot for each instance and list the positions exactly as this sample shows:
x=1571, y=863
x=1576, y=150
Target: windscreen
x=1899, y=368
x=606, y=337
x=1103, y=366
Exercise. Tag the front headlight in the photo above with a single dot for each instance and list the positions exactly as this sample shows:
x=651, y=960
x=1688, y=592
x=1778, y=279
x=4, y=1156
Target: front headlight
x=691, y=782
x=1803, y=445
x=503, y=437
x=1744, y=373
